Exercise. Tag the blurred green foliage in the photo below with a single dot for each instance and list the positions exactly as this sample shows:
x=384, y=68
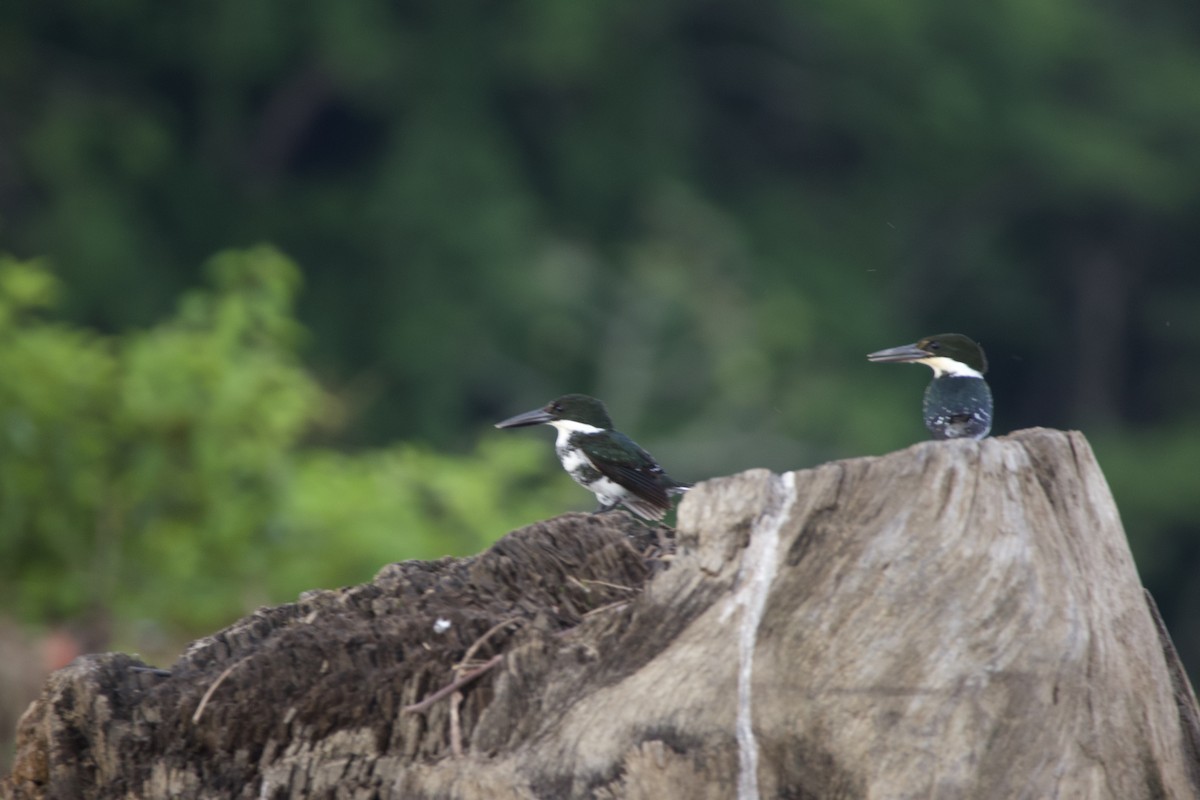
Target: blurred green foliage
x=704, y=213
x=161, y=474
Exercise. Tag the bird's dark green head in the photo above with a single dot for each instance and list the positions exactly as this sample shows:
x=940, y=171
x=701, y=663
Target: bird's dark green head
x=570, y=407
x=945, y=353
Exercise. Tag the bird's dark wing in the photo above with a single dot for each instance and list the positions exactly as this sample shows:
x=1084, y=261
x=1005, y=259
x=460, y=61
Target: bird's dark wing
x=621, y=460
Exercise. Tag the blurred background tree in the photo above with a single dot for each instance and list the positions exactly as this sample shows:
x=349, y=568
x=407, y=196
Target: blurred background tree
x=704, y=213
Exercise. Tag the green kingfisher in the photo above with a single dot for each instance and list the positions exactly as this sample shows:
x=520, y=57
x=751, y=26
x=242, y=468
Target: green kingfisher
x=958, y=402
x=602, y=460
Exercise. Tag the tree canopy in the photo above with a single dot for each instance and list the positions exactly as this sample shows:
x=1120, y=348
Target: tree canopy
x=704, y=213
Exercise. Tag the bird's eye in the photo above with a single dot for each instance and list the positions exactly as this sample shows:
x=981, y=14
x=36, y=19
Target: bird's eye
x=555, y=408
x=934, y=345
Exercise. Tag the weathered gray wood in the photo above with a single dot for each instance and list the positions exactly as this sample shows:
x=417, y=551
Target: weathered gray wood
x=956, y=620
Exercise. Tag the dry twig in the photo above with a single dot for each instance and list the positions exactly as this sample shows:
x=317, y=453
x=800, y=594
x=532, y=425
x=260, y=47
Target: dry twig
x=211, y=689
x=452, y=687
x=456, y=747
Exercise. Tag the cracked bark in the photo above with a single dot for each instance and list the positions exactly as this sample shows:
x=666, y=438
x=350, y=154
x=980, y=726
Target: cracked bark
x=958, y=619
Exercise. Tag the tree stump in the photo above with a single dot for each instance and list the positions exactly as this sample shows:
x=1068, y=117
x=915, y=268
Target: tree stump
x=959, y=619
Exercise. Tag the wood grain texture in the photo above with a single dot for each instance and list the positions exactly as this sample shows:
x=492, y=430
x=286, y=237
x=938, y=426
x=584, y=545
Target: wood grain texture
x=957, y=619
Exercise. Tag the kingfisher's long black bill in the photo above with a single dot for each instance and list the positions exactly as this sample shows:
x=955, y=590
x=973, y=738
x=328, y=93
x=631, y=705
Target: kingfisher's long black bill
x=907, y=352
x=535, y=417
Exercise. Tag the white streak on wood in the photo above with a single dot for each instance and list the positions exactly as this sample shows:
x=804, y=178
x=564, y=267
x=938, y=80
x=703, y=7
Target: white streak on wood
x=758, y=568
